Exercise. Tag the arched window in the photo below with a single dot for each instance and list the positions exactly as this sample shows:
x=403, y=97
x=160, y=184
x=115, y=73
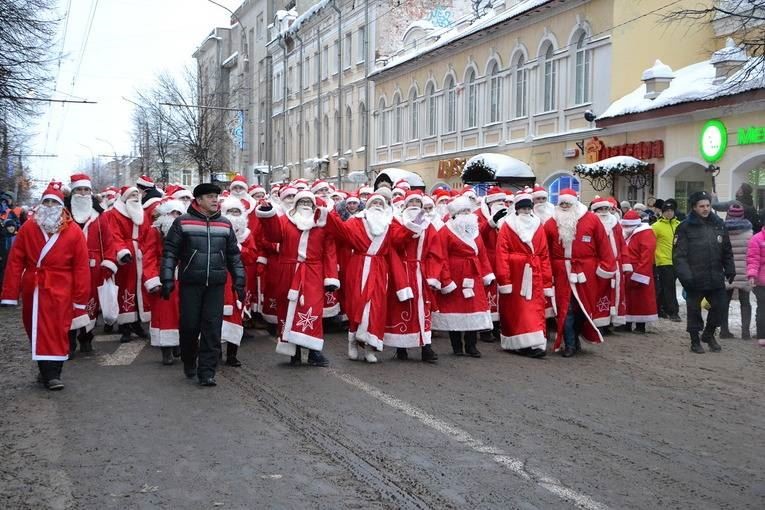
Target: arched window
x=382, y=123
x=521, y=88
x=348, y=128
x=362, y=125
x=338, y=130
x=325, y=144
x=414, y=107
x=432, y=113
x=471, y=105
x=549, y=80
x=398, y=125
x=561, y=183
x=451, y=104
x=495, y=93
x=583, y=56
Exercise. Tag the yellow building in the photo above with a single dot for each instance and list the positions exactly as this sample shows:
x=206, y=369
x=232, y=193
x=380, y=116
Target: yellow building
x=525, y=79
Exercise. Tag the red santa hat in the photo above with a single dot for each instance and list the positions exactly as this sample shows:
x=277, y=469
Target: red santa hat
x=458, y=204
x=180, y=192
x=468, y=192
x=613, y=202
x=426, y=200
x=568, y=196
x=304, y=193
x=510, y=196
x=524, y=199
x=539, y=191
x=145, y=182
x=80, y=181
x=53, y=192
x=366, y=189
x=232, y=202
x=599, y=202
x=109, y=192
x=238, y=181
x=440, y=195
x=411, y=195
x=403, y=184
x=398, y=192
x=169, y=205
x=398, y=199
x=495, y=194
x=377, y=196
x=125, y=191
x=300, y=184
x=318, y=185
x=631, y=219
x=275, y=187
x=256, y=188
x=352, y=198
x=287, y=191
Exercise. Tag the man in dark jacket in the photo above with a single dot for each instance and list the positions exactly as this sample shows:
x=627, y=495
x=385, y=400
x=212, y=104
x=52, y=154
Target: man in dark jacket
x=203, y=245
x=703, y=260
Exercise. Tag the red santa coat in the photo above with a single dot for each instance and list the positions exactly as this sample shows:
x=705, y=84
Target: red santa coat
x=524, y=281
x=344, y=253
x=305, y=265
x=639, y=287
x=419, y=249
x=254, y=271
x=52, y=276
x=488, y=231
x=128, y=238
x=233, y=309
x=372, y=264
x=101, y=253
x=165, y=317
x=576, y=268
x=612, y=289
x=462, y=303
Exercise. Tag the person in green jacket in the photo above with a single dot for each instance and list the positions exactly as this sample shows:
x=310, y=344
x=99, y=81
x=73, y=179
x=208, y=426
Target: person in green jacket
x=664, y=228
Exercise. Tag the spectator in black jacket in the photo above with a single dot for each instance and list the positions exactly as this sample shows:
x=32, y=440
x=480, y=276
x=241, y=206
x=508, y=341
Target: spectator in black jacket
x=7, y=236
x=203, y=245
x=744, y=196
x=703, y=260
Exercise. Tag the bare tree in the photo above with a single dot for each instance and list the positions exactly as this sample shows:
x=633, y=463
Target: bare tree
x=151, y=134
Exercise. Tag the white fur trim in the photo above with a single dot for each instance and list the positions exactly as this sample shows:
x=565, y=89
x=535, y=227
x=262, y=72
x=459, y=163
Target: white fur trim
x=468, y=283
x=303, y=340
x=627, y=268
x=641, y=278
x=535, y=340
x=10, y=302
x=404, y=294
x=641, y=318
x=601, y=321
x=603, y=273
x=262, y=260
x=151, y=283
x=407, y=340
x=332, y=281
x=83, y=183
x=79, y=307
x=228, y=310
x=164, y=337
x=286, y=348
x=449, y=288
x=549, y=292
x=476, y=321
x=80, y=321
x=109, y=265
x=260, y=213
x=331, y=311
x=122, y=253
x=231, y=333
x=505, y=289
x=293, y=294
x=489, y=278
x=434, y=283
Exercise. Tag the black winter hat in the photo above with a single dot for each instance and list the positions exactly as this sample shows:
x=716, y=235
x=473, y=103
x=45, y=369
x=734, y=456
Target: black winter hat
x=698, y=196
x=206, y=188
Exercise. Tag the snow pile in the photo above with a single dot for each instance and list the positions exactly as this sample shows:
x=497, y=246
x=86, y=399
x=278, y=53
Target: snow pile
x=618, y=165
x=731, y=53
x=305, y=17
x=500, y=165
x=394, y=174
x=659, y=70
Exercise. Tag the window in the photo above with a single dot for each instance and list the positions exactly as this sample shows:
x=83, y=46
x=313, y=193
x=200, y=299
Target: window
x=561, y=183
x=360, y=46
x=288, y=145
x=298, y=76
x=549, y=85
x=583, y=56
x=338, y=129
x=451, y=105
x=186, y=178
x=259, y=25
x=382, y=124
x=495, y=93
x=471, y=106
x=398, y=119
x=307, y=138
x=325, y=134
x=307, y=72
x=335, y=62
x=362, y=125
x=317, y=132
x=290, y=81
x=347, y=51
x=521, y=88
x=325, y=63
x=348, y=128
x=432, y=112
x=413, y=116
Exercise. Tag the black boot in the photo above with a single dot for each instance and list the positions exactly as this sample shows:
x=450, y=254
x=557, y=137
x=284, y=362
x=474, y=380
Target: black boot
x=190, y=370
x=725, y=334
x=624, y=328
x=167, y=355
x=709, y=338
x=86, y=341
x=231, y=350
x=471, y=338
x=137, y=328
x=72, y=343
x=428, y=355
x=456, y=339
x=124, y=330
x=317, y=359
x=401, y=354
x=640, y=327
x=108, y=329
x=177, y=351
x=297, y=359
x=696, y=343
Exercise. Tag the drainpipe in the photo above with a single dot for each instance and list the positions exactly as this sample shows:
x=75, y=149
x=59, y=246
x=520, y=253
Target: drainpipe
x=339, y=134
x=318, y=94
x=367, y=148
x=300, y=127
x=284, y=105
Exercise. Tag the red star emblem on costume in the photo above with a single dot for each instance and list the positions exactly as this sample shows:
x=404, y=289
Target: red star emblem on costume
x=329, y=298
x=603, y=304
x=272, y=303
x=492, y=299
x=91, y=307
x=306, y=320
x=128, y=301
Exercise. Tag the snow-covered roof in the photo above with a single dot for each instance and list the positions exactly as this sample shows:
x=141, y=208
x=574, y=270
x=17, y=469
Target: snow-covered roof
x=659, y=70
x=459, y=30
x=306, y=16
x=731, y=53
x=695, y=82
x=502, y=165
x=394, y=174
x=231, y=60
x=615, y=165
x=358, y=176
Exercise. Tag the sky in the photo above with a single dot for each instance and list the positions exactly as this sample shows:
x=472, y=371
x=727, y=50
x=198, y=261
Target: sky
x=130, y=43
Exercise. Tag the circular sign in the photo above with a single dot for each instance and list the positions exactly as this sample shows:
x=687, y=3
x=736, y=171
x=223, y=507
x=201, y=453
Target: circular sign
x=713, y=141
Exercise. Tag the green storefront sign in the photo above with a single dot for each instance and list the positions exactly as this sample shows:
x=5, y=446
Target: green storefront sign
x=751, y=135
x=714, y=139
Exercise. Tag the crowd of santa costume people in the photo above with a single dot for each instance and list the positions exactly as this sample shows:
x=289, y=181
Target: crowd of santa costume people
x=394, y=264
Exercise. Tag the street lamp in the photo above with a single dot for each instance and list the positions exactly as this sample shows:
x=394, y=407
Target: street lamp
x=116, y=161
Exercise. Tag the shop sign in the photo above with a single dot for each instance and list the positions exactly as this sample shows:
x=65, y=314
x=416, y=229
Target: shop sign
x=751, y=135
x=449, y=168
x=713, y=140
x=595, y=150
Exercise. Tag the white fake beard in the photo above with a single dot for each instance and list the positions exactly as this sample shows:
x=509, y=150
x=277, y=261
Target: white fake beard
x=378, y=220
x=544, y=210
x=163, y=223
x=410, y=213
x=302, y=217
x=238, y=222
x=466, y=225
x=525, y=225
x=628, y=230
x=239, y=193
x=135, y=210
x=287, y=204
x=82, y=207
x=49, y=217
x=496, y=207
x=566, y=221
x=442, y=210
x=608, y=220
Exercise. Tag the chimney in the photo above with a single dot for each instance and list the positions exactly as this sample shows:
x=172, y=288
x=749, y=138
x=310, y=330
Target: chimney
x=727, y=61
x=657, y=79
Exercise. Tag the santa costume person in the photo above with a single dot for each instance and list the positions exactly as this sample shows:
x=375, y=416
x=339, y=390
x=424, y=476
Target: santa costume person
x=307, y=268
x=542, y=208
x=165, y=317
x=493, y=202
x=239, y=189
x=610, y=289
x=524, y=280
x=48, y=267
x=463, y=308
x=639, y=287
x=128, y=226
x=234, y=310
x=150, y=196
x=102, y=257
x=580, y=254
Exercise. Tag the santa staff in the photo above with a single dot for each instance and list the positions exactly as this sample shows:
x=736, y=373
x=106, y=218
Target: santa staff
x=48, y=268
x=640, y=292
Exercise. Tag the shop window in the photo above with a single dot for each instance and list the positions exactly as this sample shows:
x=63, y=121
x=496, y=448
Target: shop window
x=561, y=183
x=684, y=189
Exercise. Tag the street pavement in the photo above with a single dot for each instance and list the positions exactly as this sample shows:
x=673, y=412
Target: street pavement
x=638, y=422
